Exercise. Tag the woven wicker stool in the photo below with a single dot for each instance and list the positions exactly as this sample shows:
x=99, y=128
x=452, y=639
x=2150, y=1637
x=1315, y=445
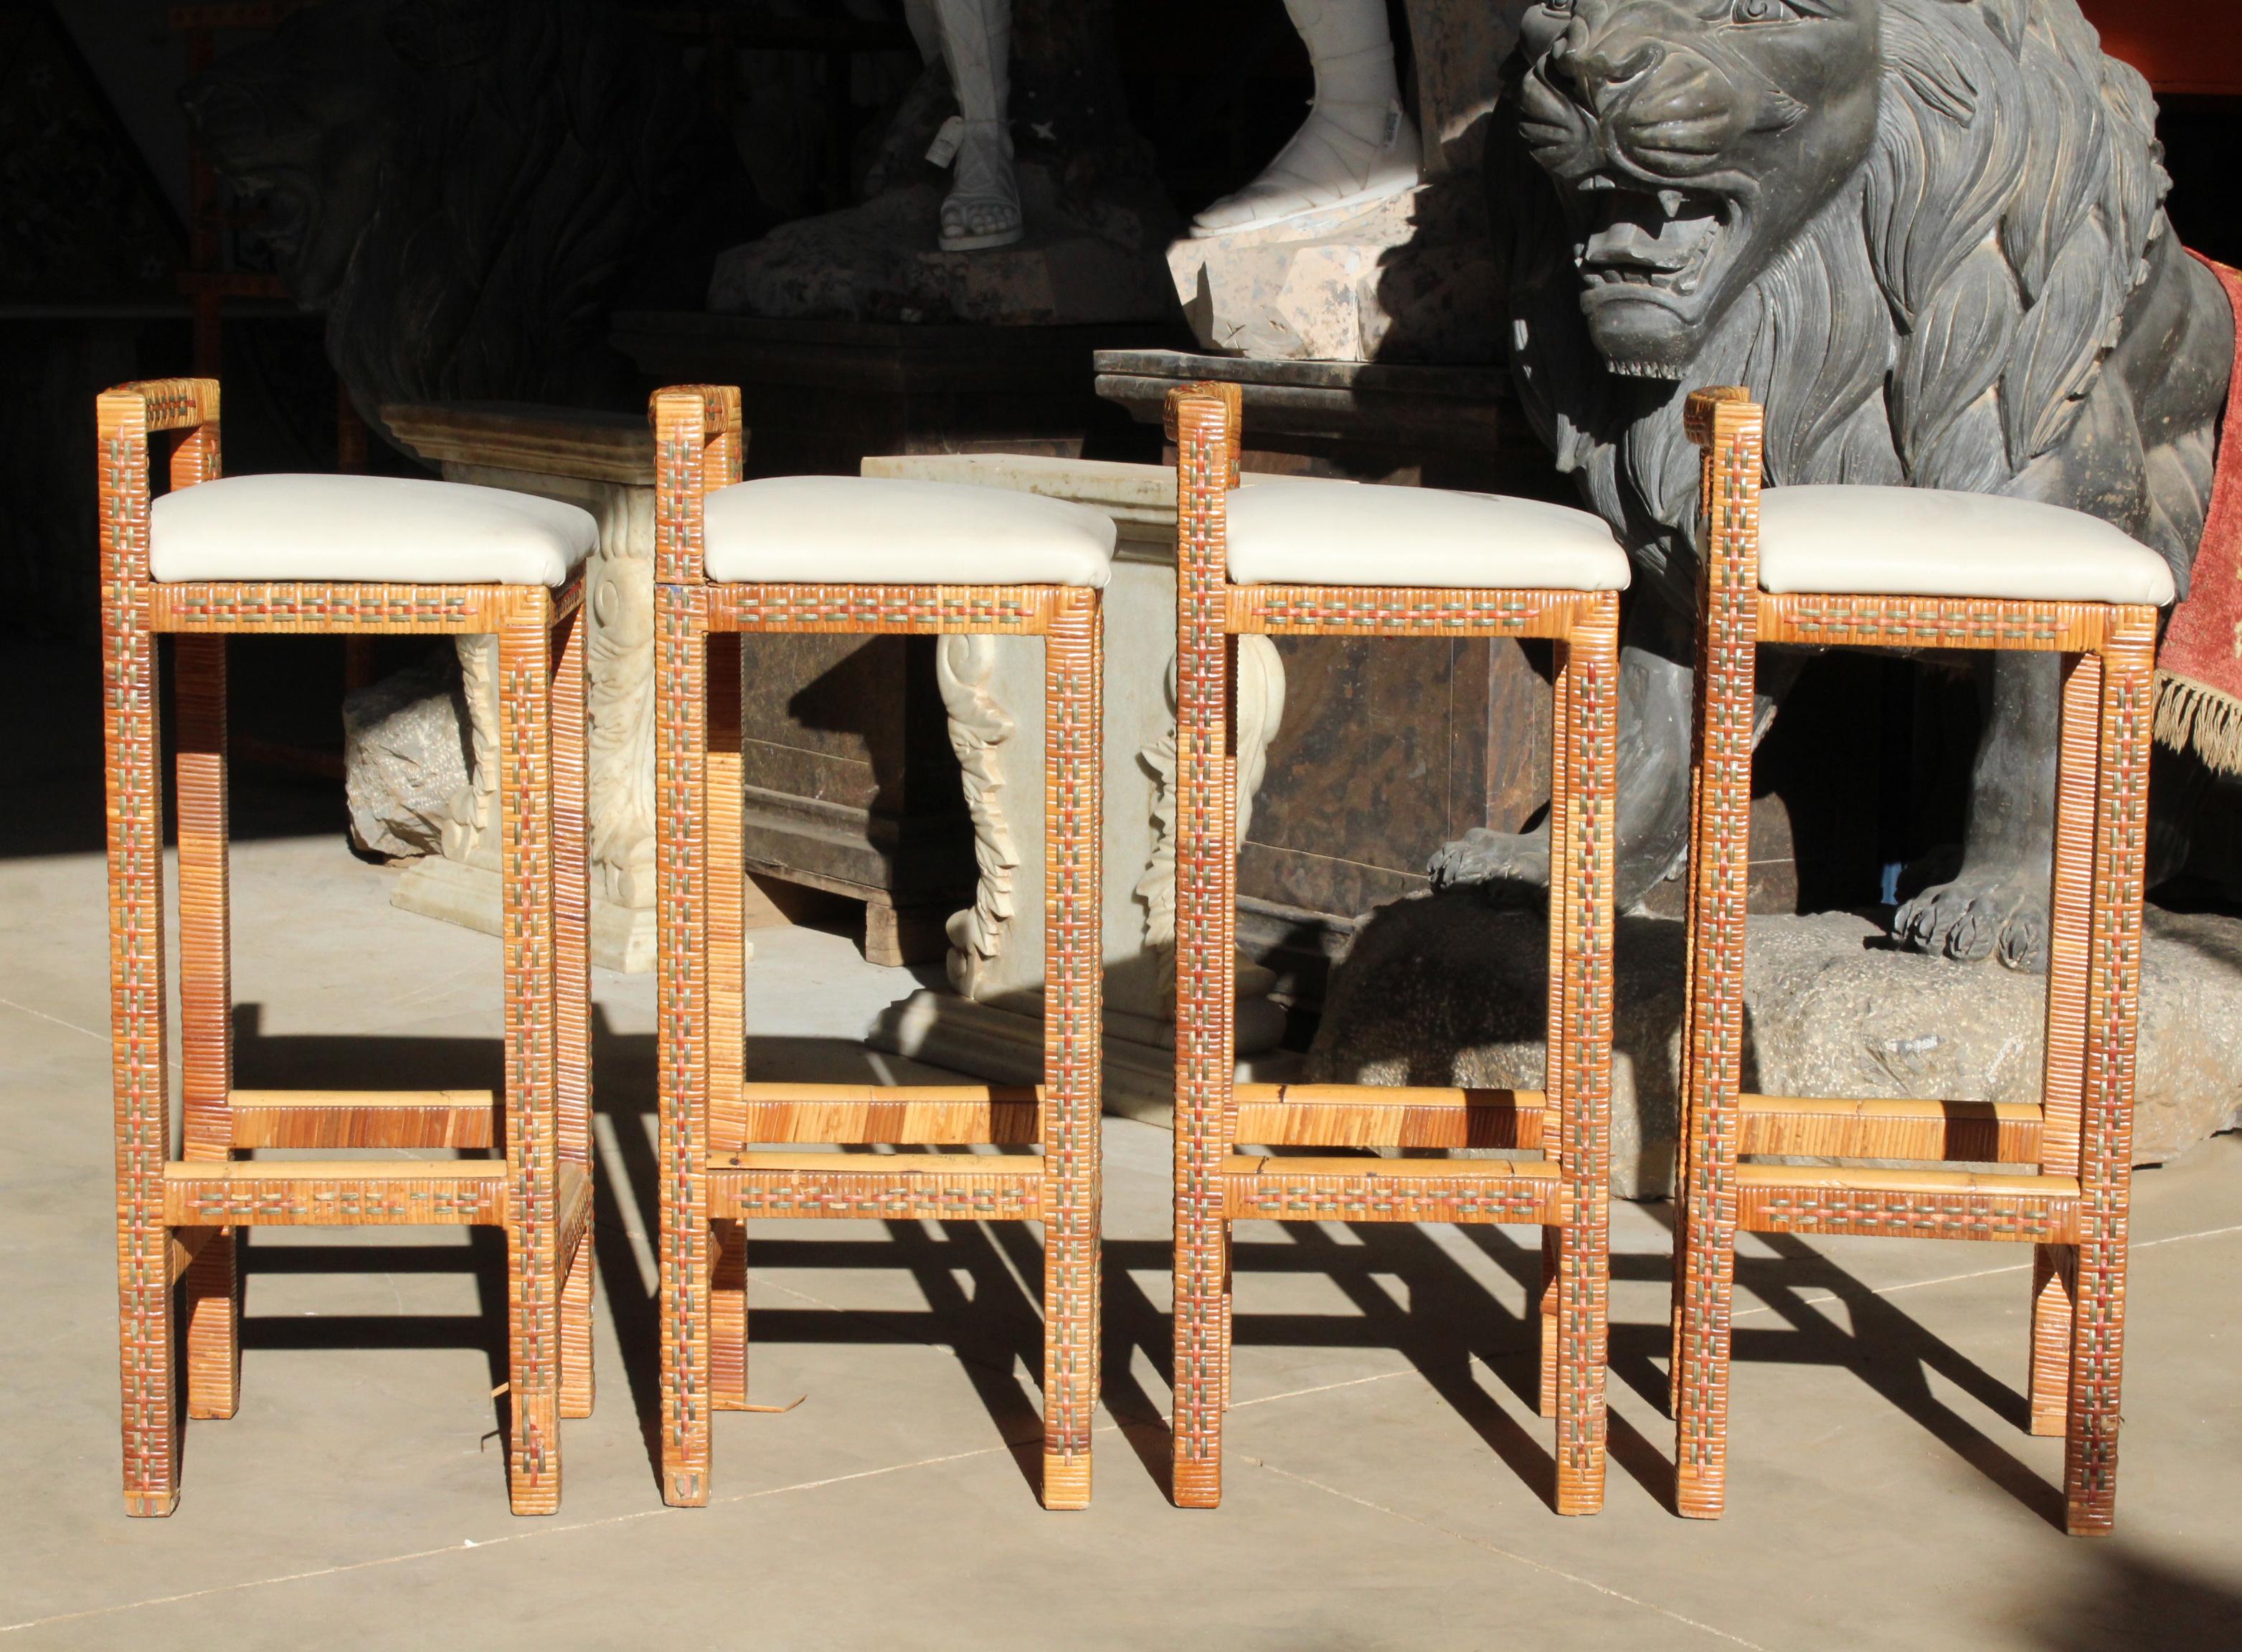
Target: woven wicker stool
x=1287, y=559
x=1910, y=569
x=868, y=557
x=333, y=555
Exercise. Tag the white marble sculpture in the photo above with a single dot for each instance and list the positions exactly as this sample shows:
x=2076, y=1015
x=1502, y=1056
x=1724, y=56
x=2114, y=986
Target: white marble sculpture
x=1362, y=241
x=974, y=40
x=1358, y=145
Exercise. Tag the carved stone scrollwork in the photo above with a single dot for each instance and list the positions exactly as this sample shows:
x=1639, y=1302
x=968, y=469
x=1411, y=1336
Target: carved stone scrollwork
x=1260, y=710
x=978, y=727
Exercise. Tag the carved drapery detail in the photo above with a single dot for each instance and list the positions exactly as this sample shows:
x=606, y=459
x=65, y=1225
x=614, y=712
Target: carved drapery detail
x=978, y=727
x=1260, y=693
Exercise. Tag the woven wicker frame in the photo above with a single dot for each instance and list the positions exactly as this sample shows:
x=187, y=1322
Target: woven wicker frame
x=2076, y=1145
x=1567, y=1193
x=711, y=1121
x=176, y=1218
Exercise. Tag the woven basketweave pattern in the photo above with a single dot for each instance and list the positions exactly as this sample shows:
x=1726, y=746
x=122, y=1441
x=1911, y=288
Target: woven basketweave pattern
x=1573, y=1122
x=1878, y=1213
x=1370, y=1197
x=302, y=609
x=1395, y=611
x=919, y=611
x=180, y=1216
x=702, y=1018
x=1930, y=622
x=2078, y=1140
x=874, y=1193
x=341, y=1201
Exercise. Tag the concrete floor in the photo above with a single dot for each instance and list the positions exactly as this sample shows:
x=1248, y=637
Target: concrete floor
x=1387, y=1476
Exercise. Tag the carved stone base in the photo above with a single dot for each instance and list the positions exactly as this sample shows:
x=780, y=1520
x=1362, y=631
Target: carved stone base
x=1006, y=1046
x=622, y=937
x=1377, y=282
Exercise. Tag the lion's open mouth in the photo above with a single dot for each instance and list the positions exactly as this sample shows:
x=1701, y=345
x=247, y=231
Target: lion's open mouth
x=1664, y=239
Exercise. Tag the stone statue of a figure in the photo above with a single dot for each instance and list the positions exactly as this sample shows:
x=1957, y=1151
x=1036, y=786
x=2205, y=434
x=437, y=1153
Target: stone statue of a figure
x=1357, y=145
x=1930, y=234
x=973, y=38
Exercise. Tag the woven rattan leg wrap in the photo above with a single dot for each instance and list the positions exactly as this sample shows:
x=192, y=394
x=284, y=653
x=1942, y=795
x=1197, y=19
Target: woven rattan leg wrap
x=1719, y=863
x=1581, y=922
x=728, y=1315
x=2106, y=1134
x=213, y=1300
x=526, y=869
x=136, y=1017
x=572, y=992
x=725, y=869
x=680, y=771
x=1205, y=955
x=1073, y=1039
x=2055, y=1267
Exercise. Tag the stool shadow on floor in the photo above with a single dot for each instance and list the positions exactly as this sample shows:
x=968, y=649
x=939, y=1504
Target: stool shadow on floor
x=992, y=1318
x=317, y=1061
x=1894, y=1354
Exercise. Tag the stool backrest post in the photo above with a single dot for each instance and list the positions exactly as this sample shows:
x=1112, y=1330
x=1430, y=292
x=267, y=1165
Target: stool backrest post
x=698, y=446
x=1205, y=799
x=125, y=418
x=1730, y=427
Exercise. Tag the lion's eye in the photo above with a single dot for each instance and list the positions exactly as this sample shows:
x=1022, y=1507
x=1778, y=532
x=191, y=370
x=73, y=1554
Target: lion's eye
x=1562, y=8
x=1762, y=11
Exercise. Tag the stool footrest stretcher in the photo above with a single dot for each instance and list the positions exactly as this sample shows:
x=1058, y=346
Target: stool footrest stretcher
x=1362, y=1115
x=335, y=1118
x=1832, y=1127
x=336, y=1192
x=1907, y=1204
x=931, y=1115
x=877, y=1186
x=1256, y=1187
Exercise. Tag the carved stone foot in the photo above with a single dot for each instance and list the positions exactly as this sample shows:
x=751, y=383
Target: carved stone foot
x=1484, y=857
x=1990, y=910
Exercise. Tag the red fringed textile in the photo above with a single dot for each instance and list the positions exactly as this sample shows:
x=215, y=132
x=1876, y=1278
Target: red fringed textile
x=2199, y=666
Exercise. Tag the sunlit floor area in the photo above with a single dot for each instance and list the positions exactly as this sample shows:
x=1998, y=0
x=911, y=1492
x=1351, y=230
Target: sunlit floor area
x=1387, y=1476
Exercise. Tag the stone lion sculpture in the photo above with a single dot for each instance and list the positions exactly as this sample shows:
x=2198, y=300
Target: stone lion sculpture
x=468, y=187
x=1930, y=234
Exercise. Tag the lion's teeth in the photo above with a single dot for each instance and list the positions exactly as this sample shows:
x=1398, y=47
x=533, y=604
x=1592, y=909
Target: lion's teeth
x=1670, y=200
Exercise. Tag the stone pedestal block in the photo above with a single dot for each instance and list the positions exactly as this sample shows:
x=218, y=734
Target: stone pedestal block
x=1406, y=278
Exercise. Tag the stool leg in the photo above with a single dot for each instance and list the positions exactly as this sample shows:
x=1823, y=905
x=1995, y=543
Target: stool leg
x=2055, y=1267
x=2090, y=1457
x=1581, y=910
x=728, y=1316
x=526, y=864
x=1073, y=1038
x=1205, y=963
x=136, y=1016
x=572, y=1005
x=681, y=675
x=1545, y=1316
x=213, y=1283
x=726, y=872
x=1556, y=1138
x=1720, y=869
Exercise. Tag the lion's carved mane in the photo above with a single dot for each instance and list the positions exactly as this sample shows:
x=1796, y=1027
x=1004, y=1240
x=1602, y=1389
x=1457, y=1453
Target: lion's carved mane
x=2005, y=216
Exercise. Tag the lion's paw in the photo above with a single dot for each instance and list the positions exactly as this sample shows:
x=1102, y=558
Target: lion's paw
x=1484, y=857
x=2004, y=916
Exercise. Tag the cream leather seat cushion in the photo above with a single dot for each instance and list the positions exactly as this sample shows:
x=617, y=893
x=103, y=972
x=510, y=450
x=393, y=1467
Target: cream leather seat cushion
x=887, y=531
x=1314, y=531
x=374, y=529
x=1925, y=542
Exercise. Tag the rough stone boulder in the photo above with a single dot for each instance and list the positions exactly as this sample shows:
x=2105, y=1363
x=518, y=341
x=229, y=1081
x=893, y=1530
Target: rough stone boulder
x=1444, y=989
x=405, y=757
